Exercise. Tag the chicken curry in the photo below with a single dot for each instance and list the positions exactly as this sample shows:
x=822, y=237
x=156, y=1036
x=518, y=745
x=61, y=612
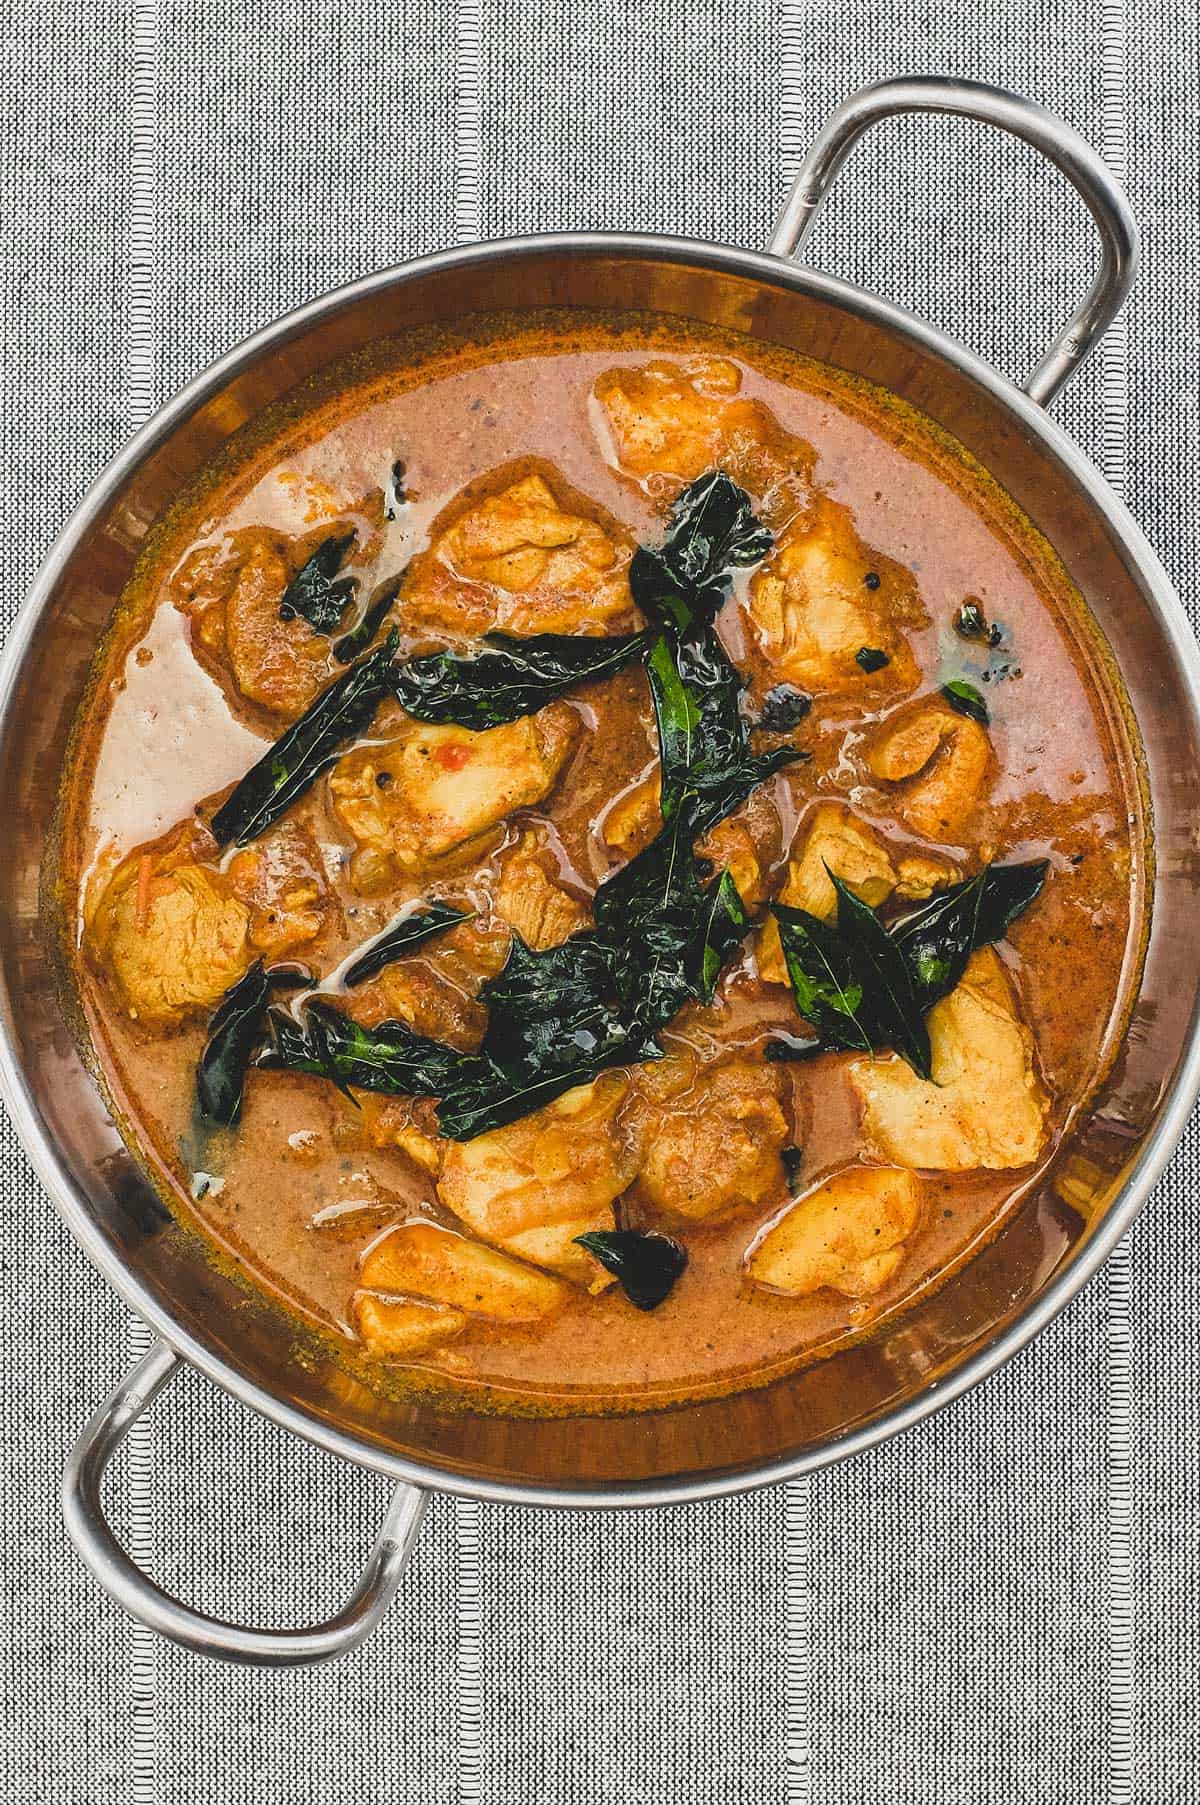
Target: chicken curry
x=601, y=863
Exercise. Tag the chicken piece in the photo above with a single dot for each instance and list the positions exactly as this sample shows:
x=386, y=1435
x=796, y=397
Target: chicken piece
x=813, y=610
x=169, y=934
x=942, y=763
x=433, y=1001
x=232, y=596
x=715, y=1146
x=735, y=844
x=918, y=876
x=420, y=795
x=671, y=421
x=847, y=1233
x=835, y=842
x=632, y=821
x=419, y=1259
x=403, y=1122
x=535, y=1185
x=986, y=1105
x=731, y=846
x=520, y=562
x=532, y=904
x=395, y=1329
x=282, y=881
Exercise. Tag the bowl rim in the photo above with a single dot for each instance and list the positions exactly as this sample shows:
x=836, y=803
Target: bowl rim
x=1174, y=1107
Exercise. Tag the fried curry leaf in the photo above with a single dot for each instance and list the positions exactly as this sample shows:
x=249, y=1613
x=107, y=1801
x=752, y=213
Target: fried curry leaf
x=939, y=937
x=645, y=1265
x=554, y=1021
x=348, y=647
x=863, y=985
x=391, y=1058
x=707, y=768
x=879, y=964
x=964, y=698
x=711, y=532
x=233, y=1033
x=405, y=934
x=826, y=986
x=513, y=677
x=310, y=745
x=667, y=933
x=870, y=658
x=316, y=592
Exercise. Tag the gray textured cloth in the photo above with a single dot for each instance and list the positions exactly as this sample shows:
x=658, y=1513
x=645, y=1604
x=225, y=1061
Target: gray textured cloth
x=1003, y=1604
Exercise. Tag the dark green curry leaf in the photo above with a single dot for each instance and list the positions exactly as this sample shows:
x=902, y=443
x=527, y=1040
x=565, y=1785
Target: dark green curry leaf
x=233, y=1033
x=826, y=986
x=391, y=1058
x=711, y=532
x=646, y=1265
x=667, y=933
x=310, y=745
x=316, y=592
x=707, y=768
x=405, y=934
x=870, y=658
x=964, y=698
x=886, y=983
x=553, y=1022
x=939, y=937
x=348, y=647
x=558, y=1017
x=513, y=677
x=863, y=985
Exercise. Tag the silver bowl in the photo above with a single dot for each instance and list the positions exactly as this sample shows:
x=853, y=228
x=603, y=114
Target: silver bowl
x=947, y=1341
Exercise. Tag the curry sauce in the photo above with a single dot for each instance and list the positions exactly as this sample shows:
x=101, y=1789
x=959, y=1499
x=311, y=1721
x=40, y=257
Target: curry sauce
x=924, y=695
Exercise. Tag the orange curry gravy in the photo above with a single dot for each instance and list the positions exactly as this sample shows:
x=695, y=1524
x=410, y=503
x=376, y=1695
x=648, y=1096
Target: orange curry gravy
x=197, y=678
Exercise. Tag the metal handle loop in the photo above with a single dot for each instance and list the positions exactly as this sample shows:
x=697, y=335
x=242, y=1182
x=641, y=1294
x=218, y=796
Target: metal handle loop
x=1024, y=119
x=137, y=1593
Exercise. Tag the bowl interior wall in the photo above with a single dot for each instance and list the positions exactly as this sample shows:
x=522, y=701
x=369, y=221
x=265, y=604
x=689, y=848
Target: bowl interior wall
x=816, y=1406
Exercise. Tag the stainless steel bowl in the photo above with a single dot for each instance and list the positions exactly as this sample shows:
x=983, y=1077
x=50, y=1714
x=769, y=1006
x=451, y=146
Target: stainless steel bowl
x=864, y=1394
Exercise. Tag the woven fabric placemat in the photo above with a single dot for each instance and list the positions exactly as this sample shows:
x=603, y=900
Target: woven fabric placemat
x=1002, y=1604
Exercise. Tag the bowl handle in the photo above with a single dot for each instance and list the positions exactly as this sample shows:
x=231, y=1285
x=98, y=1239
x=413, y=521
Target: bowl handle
x=123, y=1580
x=1024, y=119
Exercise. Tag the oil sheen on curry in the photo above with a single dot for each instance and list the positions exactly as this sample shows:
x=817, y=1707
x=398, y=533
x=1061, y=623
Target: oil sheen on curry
x=603, y=863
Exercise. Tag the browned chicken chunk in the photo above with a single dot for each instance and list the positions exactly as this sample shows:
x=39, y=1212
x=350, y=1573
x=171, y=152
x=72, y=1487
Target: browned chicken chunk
x=283, y=883
x=419, y=795
x=232, y=597
x=527, y=897
x=669, y=421
x=169, y=933
x=714, y=1146
x=986, y=1105
x=418, y=1259
x=522, y=562
x=825, y=606
x=847, y=1233
x=940, y=762
x=532, y=1187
